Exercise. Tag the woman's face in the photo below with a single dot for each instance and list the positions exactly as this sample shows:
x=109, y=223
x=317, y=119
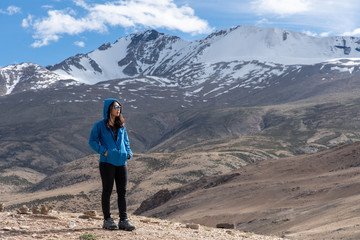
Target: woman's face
x=115, y=111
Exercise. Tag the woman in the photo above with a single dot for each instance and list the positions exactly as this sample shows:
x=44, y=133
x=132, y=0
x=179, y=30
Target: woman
x=108, y=137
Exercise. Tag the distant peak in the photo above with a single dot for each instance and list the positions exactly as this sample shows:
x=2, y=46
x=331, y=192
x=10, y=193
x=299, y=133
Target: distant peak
x=104, y=46
x=20, y=65
x=147, y=35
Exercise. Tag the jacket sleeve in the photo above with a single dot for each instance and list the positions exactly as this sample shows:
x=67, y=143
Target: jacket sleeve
x=127, y=144
x=94, y=139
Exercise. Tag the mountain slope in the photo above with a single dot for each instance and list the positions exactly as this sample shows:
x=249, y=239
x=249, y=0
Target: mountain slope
x=313, y=196
x=46, y=128
x=156, y=54
x=274, y=45
x=28, y=76
x=134, y=55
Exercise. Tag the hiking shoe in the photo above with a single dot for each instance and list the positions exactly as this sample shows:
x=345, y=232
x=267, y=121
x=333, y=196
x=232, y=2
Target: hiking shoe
x=126, y=225
x=109, y=224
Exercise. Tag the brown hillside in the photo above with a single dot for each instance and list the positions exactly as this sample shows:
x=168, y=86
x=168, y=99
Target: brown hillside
x=314, y=196
x=76, y=186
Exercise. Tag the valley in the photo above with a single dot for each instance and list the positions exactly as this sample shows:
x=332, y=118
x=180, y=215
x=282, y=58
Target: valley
x=267, y=145
x=233, y=140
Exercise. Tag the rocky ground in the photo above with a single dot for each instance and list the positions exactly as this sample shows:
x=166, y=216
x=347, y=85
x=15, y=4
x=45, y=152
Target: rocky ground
x=62, y=225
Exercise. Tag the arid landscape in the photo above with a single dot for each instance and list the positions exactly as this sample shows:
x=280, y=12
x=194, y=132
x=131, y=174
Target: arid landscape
x=267, y=148
x=312, y=196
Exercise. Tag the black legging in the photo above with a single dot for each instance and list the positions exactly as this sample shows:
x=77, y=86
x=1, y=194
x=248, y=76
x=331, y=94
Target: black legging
x=109, y=173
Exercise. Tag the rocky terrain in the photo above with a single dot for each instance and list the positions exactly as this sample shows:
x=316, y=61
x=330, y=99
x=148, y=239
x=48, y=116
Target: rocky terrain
x=65, y=225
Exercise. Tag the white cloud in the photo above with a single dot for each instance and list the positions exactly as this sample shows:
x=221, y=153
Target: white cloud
x=79, y=43
x=124, y=13
x=263, y=21
x=27, y=22
x=47, y=6
x=281, y=7
x=318, y=17
x=81, y=3
x=325, y=34
x=355, y=32
x=11, y=10
x=312, y=34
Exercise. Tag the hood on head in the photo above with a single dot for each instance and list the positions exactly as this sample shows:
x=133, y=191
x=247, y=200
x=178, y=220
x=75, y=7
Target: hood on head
x=107, y=103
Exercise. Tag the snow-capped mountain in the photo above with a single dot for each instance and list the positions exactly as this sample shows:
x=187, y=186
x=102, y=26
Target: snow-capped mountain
x=29, y=76
x=132, y=56
x=246, y=43
x=243, y=57
x=189, y=63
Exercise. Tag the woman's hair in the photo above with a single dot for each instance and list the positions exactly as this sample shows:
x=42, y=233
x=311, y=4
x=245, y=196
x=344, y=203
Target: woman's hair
x=119, y=121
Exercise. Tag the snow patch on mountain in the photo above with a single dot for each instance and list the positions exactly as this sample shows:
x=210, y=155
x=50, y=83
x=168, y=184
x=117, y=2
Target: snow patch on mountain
x=343, y=69
x=31, y=76
x=345, y=62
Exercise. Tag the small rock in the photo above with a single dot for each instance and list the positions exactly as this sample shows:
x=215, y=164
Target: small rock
x=23, y=209
x=192, y=226
x=45, y=210
x=146, y=220
x=91, y=213
x=225, y=225
x=46, y=216
x=229, y=232
x=90, y=217
x=24, y=227
x=7, y=228
x=2, y=207
x=35, y=210
x=72, y=224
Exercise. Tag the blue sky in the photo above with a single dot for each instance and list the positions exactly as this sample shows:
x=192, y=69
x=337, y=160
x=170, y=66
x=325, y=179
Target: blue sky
x=48, y=32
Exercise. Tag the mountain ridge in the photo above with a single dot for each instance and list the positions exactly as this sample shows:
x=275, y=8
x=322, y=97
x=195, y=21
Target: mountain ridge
x=225, y=53
x=273, y=45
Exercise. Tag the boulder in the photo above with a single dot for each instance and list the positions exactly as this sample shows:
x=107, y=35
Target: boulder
x=225, y=225
x=23, y=209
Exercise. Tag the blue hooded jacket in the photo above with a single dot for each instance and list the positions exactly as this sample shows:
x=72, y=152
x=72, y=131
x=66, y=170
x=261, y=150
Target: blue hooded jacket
x=103, y=139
